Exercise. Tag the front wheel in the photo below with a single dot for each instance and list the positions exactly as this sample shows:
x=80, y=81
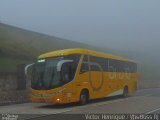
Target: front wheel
x=83, y=98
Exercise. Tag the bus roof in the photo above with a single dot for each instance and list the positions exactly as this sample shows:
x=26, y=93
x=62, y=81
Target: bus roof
x=82, y=51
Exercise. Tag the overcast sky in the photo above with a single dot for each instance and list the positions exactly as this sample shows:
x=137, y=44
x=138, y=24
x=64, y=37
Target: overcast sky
x=116, y=24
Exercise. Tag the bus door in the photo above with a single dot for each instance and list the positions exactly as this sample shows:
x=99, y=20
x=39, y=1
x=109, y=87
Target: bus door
x=82, y=78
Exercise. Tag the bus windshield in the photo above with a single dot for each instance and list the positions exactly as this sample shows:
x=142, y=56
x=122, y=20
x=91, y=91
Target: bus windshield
x=53, y=72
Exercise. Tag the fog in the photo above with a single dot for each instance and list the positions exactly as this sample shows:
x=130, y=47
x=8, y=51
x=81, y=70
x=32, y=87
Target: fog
x=119, y=24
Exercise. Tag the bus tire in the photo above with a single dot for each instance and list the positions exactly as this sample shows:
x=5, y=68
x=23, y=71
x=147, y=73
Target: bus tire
x=125, y=92
x=84, y=97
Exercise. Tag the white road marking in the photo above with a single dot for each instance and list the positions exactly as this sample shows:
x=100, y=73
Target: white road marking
x=63, y=111
x=152, y=111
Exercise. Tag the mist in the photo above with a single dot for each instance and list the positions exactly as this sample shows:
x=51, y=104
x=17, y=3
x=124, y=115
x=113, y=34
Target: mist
x=121, y=25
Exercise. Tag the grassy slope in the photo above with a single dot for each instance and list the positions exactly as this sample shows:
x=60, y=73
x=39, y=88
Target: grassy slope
x=21, y=41
x=8, y=64
x=21, y=46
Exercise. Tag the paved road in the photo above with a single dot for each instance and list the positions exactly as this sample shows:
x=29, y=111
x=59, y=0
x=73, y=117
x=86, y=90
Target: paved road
x=145, y=101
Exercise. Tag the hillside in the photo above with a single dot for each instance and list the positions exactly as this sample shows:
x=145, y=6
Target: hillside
x=21, y=41
x=22, y=46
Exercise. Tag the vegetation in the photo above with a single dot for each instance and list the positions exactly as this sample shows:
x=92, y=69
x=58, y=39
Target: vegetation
x=21, y=46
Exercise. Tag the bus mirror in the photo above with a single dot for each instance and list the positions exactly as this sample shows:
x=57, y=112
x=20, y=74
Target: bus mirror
x=28, y=69
x=60, y=63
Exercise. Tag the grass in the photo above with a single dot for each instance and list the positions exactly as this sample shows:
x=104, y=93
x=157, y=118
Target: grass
x=21, y=46
x=8, y=64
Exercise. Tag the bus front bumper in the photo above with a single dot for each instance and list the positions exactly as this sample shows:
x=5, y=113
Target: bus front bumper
x=47, y=99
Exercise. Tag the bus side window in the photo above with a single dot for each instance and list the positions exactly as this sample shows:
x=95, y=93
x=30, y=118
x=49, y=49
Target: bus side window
x=85, y=58
x=97, y=60
x=95, y=68
x=84, y=68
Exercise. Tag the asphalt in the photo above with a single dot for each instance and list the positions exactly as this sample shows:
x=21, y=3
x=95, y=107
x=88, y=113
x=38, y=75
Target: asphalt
x=145, y=101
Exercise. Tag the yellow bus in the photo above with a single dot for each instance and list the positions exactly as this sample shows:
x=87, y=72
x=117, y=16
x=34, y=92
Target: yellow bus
x=79, y=75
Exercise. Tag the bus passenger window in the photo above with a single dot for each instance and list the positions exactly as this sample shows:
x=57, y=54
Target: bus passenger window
x=95, y=68
x=85, y=58
x=84, y=68
x=99, y=61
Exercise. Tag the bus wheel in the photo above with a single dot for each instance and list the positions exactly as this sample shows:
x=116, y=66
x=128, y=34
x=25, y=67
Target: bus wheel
x=125, y=91
x=84, y=97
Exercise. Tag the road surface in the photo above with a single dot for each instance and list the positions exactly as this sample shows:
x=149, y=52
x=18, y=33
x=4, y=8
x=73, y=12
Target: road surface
x=146, y=101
